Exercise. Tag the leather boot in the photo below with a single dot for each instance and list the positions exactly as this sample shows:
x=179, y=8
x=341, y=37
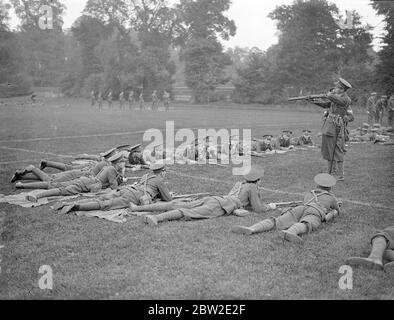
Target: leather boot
x=165, y=216
x=44, y=194
x=292, y=233
x=43, y=164
x=88, y=206
x=389, y=255
x=33, y=185
x=332, y=168
x=262, y=226
x=375, y=259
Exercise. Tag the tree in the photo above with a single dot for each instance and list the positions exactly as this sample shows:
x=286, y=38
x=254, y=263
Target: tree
x=201, y=22
x=4, y=16
x=385, y=68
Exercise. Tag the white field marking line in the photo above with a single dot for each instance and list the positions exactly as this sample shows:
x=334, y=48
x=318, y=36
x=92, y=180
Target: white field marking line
x=38, y=152
x=367, y=204
x=143, y=131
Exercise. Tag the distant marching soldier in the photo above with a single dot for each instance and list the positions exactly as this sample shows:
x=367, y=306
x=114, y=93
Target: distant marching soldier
x=155, y=100
x=371, y=104
x=109, y=99
x=93, y=98
x=166, y=100
x=390, y=111
x=141, y=100
x=380, y=106
x=100, y=100
x=131, y=99
x=333, y=130
x=121, y=100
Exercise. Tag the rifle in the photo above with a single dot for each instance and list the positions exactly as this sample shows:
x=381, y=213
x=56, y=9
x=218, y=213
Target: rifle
x=289, y=204
x=312, y=96
x=181, y=196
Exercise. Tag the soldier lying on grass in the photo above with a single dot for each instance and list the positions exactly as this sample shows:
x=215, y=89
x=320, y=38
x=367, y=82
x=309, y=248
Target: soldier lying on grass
x=244, y=194
x=110, y=176
x=319, y=205
x=150, y=188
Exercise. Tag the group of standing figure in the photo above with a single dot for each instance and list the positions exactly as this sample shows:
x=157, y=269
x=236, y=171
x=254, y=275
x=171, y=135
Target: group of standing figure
x=131, y=100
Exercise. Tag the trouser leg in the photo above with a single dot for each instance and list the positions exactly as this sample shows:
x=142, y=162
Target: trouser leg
x=262, y=226
x=375, y=259
x=331, y=167
x=33, y=185
x=166, y=216
x=44, y=194
x=57, y=165
x=153, y=207
x=341, y=172
x=40, y=174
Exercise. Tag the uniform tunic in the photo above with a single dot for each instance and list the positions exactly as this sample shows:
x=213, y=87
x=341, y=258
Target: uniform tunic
x=333, y=130
x=107, y=177
x=317, y=203
x=243, y=195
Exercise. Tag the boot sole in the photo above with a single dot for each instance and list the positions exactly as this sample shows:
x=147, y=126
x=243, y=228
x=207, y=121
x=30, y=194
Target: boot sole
x=364, y=262
x=241, y=230
x=31, y=198
x=290, y=237
x=66, y=209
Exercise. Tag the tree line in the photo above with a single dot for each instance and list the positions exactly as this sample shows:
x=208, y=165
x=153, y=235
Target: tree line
x=123, y=45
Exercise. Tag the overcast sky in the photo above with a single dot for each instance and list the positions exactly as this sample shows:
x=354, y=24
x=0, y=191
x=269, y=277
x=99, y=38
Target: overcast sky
x=254, y=28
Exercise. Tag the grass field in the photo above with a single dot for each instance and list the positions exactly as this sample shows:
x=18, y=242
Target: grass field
x=96, y=259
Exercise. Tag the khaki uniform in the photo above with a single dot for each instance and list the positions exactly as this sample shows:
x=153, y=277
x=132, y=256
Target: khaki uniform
x=107, y=177
x=317, y=203
x=371, y=102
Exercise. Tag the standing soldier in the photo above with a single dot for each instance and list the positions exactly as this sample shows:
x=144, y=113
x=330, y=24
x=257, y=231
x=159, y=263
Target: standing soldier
x=93, y=97
x=141, y=100
x=131, y=99
x=100, y=100
x=155, y=100
x=371, y=108
x=109, y=99
x=333, y=130
x=380, y=106
x=390, y=111
x=166, y=100
x=121, y=100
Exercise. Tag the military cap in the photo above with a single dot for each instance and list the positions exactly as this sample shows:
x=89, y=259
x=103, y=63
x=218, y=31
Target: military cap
x=306, y=130
x=373, y=94
x=344, y=83
x=255, y=173
x=108, y=153
x=287, y=131
x=135, y=147
x=120, y=156
x=156, y=167
x=325, y=180
x=365, y=125
x=376, y=125
x=268, y=136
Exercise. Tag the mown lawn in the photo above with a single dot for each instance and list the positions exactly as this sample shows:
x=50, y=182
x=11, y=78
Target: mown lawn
x=95, y=259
